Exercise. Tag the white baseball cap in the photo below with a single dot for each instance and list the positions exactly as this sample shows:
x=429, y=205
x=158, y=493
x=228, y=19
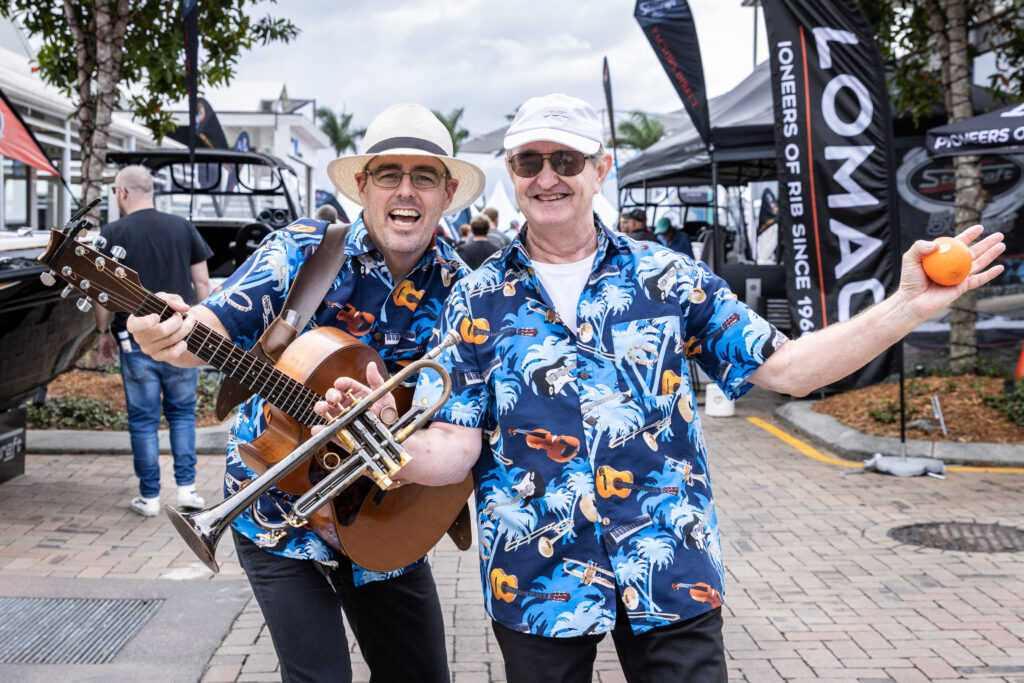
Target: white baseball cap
x=556, y=118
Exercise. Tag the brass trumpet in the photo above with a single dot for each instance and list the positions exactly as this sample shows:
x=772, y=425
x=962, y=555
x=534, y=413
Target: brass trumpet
x=374, y=446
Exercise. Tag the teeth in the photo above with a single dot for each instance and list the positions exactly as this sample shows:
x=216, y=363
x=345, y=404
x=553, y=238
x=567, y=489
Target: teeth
x=406, y=212
x=549, y=197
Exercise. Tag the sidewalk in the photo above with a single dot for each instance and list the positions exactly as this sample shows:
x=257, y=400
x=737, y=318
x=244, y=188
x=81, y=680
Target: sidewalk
x=816, y=589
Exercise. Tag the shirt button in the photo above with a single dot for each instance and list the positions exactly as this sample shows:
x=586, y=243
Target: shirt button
x=378, y=336
x=605, y=521
x=583, y=374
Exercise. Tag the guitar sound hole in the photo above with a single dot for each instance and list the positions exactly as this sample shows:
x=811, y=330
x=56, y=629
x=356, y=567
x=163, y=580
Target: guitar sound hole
x=348, y=502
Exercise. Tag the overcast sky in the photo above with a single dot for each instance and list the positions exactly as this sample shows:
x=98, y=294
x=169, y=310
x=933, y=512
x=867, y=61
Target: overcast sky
x=489, y=56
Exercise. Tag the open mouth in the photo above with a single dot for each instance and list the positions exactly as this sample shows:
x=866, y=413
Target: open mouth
x=404, y=216
x=551, y=197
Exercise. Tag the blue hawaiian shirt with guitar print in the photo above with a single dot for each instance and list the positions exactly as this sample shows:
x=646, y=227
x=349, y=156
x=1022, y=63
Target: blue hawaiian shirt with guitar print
x=594, y=474
x=396, y=319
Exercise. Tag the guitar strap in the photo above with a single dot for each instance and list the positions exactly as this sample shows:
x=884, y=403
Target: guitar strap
x=306, y=293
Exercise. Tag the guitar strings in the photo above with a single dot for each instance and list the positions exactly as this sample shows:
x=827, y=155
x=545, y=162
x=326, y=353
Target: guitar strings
x=301, y=398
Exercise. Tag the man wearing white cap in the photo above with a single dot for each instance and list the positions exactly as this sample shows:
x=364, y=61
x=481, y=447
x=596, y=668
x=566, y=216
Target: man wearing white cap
x=388, y=294
x=574, y=411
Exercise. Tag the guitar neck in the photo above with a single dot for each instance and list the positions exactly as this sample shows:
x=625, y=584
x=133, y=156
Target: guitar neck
x=249, y=370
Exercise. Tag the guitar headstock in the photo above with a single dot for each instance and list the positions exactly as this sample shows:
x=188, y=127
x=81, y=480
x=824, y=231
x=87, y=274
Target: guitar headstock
x=98, y=276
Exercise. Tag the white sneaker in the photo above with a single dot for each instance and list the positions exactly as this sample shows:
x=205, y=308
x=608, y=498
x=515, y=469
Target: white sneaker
x=147, y=507
x=188, y=499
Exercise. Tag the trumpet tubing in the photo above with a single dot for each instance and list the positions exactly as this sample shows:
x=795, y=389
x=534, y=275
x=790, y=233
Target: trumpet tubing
x=375, y=449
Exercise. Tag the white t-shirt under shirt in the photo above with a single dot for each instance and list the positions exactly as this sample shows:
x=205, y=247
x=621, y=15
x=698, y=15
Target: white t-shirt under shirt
x=564, y=283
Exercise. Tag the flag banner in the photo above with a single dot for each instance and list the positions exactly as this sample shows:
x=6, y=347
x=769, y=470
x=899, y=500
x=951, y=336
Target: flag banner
x=190, y=24
x=833, y=147
x=669, y=27
x=997, y=132
x=321, y=197
x=17, y=141
x=606, y=76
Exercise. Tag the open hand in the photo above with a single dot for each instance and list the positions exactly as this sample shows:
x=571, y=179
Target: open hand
x=926, y=296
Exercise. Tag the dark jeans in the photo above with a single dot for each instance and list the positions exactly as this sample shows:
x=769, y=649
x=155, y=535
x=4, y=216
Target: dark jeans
x=148, y=385
x=688, y=651
x=397, y=622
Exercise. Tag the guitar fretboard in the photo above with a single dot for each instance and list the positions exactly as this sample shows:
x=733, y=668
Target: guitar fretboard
x=252, y=372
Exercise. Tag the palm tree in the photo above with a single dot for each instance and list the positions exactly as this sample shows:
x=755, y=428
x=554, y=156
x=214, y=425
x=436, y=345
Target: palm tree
x=336, y=127
x=640, y=131
x=451, y=122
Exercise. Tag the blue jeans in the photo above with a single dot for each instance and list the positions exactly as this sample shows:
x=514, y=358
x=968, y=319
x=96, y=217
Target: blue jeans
x=144, y=381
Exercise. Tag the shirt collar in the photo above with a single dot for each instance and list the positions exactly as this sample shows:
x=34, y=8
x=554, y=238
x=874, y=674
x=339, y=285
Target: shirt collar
x=608, y=242
x=358, y=242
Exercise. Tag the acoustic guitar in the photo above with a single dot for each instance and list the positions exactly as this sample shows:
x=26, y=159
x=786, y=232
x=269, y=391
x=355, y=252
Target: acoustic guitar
x=383, y=531
x=506, y=587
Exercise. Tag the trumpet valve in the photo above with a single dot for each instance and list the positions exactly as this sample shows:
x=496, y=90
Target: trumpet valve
x=346, y=440
x=383, y=481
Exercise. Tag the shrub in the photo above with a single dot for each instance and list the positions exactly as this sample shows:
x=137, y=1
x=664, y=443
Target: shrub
x=1012, y=404
x=72, y=412
x=889, y=411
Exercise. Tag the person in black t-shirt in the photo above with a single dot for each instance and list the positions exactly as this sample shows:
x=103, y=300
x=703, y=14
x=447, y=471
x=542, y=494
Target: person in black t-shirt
x=479, y=246
x=170, y=256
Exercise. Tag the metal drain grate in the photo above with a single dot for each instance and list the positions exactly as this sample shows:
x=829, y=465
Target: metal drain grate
x=69, y=630
x=963, y=536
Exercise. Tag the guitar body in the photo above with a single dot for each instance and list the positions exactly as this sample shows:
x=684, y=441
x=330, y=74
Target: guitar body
x=378, y=530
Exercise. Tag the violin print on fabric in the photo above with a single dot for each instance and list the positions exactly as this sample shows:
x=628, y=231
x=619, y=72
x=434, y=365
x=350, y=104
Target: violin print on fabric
x=594, y=475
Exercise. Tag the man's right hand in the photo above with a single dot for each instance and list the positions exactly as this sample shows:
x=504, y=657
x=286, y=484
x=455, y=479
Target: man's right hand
x=165, y=341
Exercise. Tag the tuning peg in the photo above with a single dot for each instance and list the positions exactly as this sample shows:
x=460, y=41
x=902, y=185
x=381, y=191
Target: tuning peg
x=67, y=291
x=99, y=242
x=84, y=305
x=102, y=297
x=48, y=278
x=117, y=251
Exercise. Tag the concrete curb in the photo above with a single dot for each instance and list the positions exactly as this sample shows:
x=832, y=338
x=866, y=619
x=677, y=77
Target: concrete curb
x=209, y=441
x=852, y=445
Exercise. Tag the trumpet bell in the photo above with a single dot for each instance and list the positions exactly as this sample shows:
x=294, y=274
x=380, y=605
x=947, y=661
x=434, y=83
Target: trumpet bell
x=202, y=542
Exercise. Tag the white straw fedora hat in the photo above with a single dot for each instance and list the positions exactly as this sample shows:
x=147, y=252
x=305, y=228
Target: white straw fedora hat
x=412, y=130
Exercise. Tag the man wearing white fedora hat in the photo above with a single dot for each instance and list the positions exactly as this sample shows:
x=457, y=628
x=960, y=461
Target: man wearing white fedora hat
x=595, y=510
x=388, y=293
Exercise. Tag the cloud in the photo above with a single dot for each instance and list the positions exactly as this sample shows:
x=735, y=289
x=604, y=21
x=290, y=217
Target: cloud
x=487, y=56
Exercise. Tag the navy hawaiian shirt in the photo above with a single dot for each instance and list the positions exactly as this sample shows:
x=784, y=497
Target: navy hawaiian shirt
x=594, y=473
x=395, y=319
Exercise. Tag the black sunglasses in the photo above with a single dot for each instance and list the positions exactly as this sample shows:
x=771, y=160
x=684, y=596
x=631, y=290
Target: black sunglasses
x=563, y=162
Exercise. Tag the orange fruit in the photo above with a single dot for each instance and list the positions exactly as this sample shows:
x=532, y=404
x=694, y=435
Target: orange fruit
x=949, y=264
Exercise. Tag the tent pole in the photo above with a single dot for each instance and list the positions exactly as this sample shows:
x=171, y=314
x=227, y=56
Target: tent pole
x=718, y=249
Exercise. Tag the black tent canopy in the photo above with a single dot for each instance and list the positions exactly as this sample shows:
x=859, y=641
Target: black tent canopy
x=997, y=132
x=742, y=129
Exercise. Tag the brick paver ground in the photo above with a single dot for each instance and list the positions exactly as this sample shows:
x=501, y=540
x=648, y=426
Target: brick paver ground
x=816, y=590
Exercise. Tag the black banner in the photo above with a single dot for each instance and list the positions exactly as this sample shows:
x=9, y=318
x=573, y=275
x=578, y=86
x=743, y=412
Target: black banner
x=833, y=142
x=668, y=25
x=190, y=23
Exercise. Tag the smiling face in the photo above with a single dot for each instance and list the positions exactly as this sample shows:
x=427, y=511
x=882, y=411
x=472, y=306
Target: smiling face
x=401, y=220
x=553, y=202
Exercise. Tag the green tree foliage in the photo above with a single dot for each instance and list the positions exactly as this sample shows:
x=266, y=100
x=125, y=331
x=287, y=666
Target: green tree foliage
x=639, y=132
x=451, y=122
x=929, y=47
x=338, y=129
x=112, y=54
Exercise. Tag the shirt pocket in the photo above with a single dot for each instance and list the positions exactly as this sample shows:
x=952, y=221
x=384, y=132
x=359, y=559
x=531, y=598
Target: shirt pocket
x=648, y=356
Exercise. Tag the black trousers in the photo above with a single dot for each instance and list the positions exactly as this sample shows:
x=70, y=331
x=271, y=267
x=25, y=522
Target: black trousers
x=397, y=622
x=688, y=651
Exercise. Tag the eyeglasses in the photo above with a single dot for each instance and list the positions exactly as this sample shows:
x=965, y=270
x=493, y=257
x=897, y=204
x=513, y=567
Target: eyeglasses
x=563, y=162
x=421, y=178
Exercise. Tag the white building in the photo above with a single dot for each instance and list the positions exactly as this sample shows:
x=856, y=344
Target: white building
x=276, y=124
